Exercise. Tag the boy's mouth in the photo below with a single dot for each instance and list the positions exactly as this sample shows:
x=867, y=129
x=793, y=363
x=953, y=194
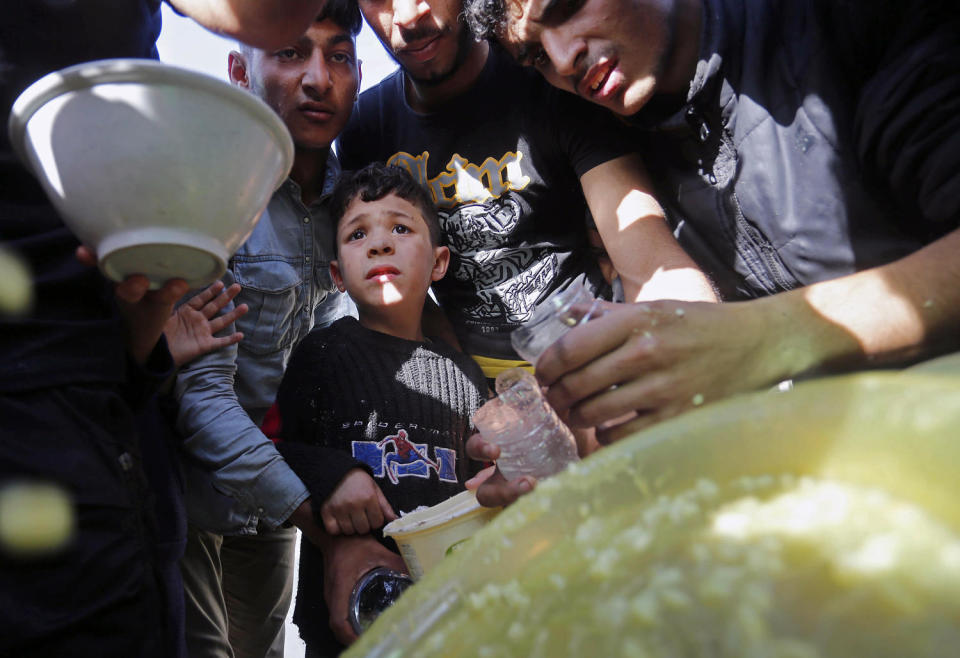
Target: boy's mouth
x=383, y=273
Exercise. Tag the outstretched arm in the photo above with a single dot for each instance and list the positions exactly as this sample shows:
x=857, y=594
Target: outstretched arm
x=643, y=251
x=260, y=23
x=641, y=363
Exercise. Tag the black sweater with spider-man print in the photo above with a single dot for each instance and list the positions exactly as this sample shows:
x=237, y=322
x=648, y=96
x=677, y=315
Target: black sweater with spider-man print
x=400, y=409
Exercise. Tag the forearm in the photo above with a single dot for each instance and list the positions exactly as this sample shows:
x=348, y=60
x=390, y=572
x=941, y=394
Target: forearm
x=644, y=253
x=898, y=312
x=219, y=434
x=260, y=23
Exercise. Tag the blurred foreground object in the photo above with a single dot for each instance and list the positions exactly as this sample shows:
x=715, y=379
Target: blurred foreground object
x=16, y=288
x=820, y=522
x=162, y=171
x=36, y=518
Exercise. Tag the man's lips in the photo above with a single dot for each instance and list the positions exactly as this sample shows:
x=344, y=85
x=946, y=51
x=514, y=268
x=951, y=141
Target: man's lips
x=601, y=81
x=383, y=273
x=422, y=49
x=316, y=110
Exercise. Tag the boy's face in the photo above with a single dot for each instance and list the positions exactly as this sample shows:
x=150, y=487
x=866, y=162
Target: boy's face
x=311, y=84
x=384, y=254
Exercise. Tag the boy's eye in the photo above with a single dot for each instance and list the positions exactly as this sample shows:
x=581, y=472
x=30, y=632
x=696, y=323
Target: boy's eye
x=400, y=228
x=356, y=235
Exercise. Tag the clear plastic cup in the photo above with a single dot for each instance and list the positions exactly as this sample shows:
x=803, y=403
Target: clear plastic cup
x=532, y=438
x=551, y=320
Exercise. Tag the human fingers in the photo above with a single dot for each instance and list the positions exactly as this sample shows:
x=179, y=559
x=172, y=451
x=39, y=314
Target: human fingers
x=386, y=510
x=588, y=342
x=168, y=294
x=330, y=523
x=359, y=521
x=220, y=301
x=616, y=430
x=497, y=491
x=474, y=483
x=132, y=289
x=86, y=256
x=620, y=395
x=633, y=357
x=480, y=450
x=198, y=301
x=219, y=342
x=220, y=322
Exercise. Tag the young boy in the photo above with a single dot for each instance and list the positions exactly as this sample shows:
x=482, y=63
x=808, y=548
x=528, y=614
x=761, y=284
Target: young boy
x=374, y=396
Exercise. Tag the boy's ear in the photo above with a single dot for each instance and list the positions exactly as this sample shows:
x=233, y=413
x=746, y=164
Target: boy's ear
x=440, y=263
x=335, y=275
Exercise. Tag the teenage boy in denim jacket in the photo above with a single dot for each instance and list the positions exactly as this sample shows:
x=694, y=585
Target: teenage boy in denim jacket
x=238, y=565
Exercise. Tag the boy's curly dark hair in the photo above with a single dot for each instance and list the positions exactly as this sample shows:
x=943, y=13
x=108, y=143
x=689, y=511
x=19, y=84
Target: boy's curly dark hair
x=376, y=181
x=486, y=18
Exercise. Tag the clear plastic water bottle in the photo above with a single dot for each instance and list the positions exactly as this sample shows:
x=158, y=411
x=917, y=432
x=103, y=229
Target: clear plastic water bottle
x=551, y=320
x=532, y=439
x=375, y=592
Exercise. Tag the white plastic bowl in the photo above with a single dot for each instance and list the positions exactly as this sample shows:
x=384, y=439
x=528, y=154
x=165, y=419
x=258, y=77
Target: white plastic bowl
x=163, y=171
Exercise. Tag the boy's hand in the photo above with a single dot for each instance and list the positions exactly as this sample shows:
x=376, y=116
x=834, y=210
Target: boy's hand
x=356, y=506
x=345, y=560
x=192, y=328
x=494, y=490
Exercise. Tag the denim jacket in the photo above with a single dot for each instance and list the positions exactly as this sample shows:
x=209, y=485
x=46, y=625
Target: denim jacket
x=235, y=478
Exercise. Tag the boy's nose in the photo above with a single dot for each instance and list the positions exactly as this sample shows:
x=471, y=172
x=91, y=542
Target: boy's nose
x=380, y=248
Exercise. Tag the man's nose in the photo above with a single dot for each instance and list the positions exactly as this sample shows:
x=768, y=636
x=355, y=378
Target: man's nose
x=316, y=76
x=407, y=13
x=564, y=51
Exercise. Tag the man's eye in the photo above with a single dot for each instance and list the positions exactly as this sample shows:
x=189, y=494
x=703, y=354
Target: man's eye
x=341, y=58
x=539, y=58
x=560, y=11
x=286, y=53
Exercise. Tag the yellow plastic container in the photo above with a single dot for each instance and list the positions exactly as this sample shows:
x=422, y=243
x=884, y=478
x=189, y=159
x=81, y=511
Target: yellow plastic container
x=546, y=578
x=427, y=536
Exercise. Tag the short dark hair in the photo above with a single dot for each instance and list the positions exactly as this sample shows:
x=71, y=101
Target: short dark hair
x=486, y=18
x=376, y=181
x=345, y=13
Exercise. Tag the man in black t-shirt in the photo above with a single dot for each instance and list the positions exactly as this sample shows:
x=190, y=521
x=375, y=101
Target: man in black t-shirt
x=513, y=166
x=808, y=153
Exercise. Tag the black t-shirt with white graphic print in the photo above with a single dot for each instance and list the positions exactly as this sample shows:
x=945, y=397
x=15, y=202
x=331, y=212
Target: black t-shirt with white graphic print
x=502, y=162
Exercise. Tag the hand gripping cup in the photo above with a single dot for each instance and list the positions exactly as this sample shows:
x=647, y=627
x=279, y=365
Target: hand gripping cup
x=552, y=319
x=375, y=592
x=532, y=439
